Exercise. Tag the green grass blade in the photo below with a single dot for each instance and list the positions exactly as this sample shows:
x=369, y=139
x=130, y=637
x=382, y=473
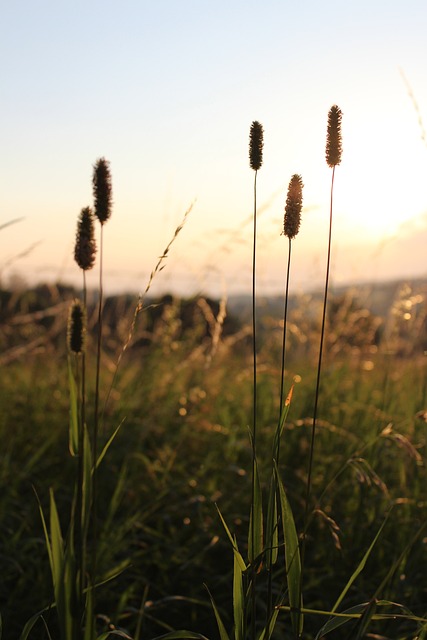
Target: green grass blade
x=272, y=526
x=272, y=624
x=341, y=619
x=114, y=632
x=233, y=542
x=282, y=420
x=59, y=571
x=73, y=436
x=292, y=560
x=221, y=628
x=365, y=619
x=255, y=537
x=181, y=635
x=107, y=445
x=238, y=600
x=30, y=624
x=46, y=535
x=89, y=629
x=56, y=542
x=422, y=634
x=359, y=568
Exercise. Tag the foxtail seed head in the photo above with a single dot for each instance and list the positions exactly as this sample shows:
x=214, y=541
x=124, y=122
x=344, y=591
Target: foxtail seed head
x=76, y=327
x=333, y=137
x=102, y=190
x=292, y=218
x=256, y=144
x=85, y=247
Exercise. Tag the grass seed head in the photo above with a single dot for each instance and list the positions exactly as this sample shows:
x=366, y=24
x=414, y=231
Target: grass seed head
x=85, y=247
x=102, y=190
x=292, y=218
x=333, y=137
x=76, y=327
x=256, y=144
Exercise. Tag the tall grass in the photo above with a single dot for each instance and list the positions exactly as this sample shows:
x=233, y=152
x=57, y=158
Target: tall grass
x=181, y=495
x=273, y=528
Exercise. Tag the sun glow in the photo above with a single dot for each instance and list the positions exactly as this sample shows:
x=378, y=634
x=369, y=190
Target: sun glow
x=379, y=195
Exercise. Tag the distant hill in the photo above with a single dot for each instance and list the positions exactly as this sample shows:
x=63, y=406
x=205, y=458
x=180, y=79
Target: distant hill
x=377, y=297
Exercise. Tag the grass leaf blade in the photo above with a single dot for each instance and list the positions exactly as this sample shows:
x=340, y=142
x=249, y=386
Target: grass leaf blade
x=221, y=628
x=359, y=568
x=292, y=560
x=238, y=600
x=233, y=542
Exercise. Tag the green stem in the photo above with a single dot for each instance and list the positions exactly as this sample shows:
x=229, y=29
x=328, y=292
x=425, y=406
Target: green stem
x=317, y=392
x=96, y=416
x=254, y=418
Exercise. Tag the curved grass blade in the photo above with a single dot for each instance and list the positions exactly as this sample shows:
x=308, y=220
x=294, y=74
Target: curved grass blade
x=341, y=618
x=272, y=526
x=181, y=635
x=221, y=628
x=233, y=542
x=292, y=560
x=359, y=568
x=282, y=420
x=357, y=612
x=365, y=619
x=108, y=443
x=271, y=626
x=238, y=600
x=32, y=621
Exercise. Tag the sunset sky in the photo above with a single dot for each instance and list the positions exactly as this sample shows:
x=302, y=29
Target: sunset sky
x=166, y=91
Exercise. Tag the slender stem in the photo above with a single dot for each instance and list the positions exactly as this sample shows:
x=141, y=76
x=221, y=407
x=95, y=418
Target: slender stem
x=254, y=416
x=276, y=454
x=96, y=415
x=254, y=326
x=80, y=534
x=285, y=317
x=317, y=392
x=77, y=515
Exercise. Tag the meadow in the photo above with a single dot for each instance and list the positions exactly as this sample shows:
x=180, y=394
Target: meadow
x=186, y=530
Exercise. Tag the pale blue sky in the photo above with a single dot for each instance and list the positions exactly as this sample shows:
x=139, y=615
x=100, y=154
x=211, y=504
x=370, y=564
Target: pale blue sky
x=167, y=90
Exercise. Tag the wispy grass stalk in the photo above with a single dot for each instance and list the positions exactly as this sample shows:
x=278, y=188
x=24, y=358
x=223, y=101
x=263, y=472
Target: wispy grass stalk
x=333, y=158
x=291, y=225
x=142, y=297
x=256, y=145
x=76, y=348
x=84, y=255
x=102, y=193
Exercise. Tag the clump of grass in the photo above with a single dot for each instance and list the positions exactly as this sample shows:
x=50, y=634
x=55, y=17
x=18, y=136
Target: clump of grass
x=256, y=145
x=74, y=558
x=280, y=534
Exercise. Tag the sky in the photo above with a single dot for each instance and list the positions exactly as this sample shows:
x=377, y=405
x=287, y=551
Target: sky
x=166, y=91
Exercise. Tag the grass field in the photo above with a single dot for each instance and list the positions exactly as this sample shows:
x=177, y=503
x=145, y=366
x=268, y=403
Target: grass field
x=172, y=471
x=185, y=396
